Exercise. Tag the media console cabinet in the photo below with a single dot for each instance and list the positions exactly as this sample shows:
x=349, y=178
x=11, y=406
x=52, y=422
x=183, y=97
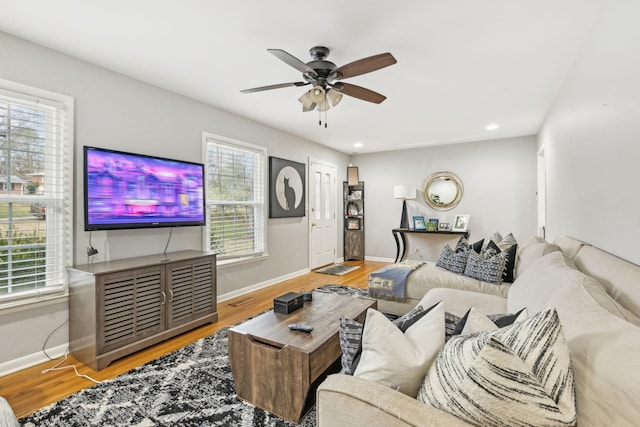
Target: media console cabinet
x=119, y=307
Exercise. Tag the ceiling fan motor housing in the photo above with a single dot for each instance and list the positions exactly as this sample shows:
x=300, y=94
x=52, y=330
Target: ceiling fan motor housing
x=324, y=69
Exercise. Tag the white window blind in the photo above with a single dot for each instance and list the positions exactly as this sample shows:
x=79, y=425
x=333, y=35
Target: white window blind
x=36, y=195
x=235, y=197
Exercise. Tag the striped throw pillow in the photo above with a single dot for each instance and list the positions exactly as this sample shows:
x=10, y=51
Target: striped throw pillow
x=518, y=375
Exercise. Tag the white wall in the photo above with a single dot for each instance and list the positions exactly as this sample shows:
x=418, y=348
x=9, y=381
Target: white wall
x=592, y=139
x=115, y=111
x=499, y=178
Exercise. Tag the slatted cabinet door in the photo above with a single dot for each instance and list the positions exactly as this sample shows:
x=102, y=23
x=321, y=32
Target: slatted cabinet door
x=132, y=307
x=192, y=291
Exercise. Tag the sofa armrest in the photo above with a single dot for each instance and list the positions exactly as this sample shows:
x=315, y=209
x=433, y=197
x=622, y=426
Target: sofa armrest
x=343, y=400
x=7, y=417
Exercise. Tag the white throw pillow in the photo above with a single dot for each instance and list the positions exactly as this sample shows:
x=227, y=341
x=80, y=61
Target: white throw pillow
x=400, y=361
x=479, y=322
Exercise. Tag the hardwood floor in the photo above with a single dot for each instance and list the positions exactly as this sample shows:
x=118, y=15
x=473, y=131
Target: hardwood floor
x=31, y=389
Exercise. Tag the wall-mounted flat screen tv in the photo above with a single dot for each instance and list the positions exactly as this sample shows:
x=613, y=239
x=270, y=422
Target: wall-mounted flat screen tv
x=126, y=190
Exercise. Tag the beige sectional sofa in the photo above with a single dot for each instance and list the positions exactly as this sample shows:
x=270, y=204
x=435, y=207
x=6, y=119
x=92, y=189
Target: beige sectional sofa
x=430, y=276
x=597, y=298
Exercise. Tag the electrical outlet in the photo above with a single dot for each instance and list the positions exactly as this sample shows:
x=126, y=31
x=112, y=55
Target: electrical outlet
x=417, y=250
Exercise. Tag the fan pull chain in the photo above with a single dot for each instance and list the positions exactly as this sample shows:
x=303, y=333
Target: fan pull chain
x=325, y=118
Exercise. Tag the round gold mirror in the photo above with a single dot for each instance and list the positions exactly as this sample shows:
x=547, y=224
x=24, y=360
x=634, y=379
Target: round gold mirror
x=443, y=191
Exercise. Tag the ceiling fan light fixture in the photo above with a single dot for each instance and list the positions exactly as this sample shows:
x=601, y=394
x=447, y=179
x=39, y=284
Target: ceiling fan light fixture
x=317, y=94
x=307, y=103
x=334, y=97
x=323, y=105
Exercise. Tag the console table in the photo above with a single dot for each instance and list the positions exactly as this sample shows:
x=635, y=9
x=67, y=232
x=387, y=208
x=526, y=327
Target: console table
x=400, y=236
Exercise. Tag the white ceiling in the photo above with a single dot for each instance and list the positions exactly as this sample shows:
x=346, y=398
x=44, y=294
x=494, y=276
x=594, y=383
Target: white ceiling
x=462, y=64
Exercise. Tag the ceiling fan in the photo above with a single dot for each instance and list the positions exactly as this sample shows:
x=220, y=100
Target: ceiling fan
x=322, y=74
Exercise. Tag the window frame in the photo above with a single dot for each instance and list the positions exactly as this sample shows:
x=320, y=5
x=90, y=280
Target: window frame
x=259, y=207
x=61, y=233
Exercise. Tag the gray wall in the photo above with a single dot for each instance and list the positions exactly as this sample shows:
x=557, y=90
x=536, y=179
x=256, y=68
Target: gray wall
x=499, y=178
x=592, y=139
x=115, y=111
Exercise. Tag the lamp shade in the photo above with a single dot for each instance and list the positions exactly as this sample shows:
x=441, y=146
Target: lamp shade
x=317, y=94
x=404, y=192
x=334, y=97
x=323, y=105
x=306, y=101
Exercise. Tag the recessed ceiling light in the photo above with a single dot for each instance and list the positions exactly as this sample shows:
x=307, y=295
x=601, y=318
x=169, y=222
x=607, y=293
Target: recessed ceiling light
x=492, y=126
x=357, y=144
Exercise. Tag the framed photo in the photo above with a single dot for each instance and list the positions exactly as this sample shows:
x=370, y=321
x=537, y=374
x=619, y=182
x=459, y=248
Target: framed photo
x=418, y=223
x=353, y=224
x=460, y=223
x=286, y=188
x=352, y=209
x=444, y=226
x=356, y=195
x=432, y=225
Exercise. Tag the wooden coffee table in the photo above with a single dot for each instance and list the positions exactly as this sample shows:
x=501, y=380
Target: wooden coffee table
x=278, y=369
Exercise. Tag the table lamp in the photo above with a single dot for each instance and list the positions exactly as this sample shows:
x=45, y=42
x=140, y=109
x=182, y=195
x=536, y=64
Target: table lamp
x=405, y=193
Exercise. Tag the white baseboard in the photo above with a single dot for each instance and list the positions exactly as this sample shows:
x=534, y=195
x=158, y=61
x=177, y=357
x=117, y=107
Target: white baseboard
x=247, y=289
x=30, y=360
x=371, y=258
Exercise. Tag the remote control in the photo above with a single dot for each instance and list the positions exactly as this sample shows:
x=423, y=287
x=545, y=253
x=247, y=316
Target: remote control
x=300, y=327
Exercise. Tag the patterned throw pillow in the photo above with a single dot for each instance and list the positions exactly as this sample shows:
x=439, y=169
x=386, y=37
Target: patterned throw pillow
x=405, y=321
x=464, y=245
x=452, y=261
x=518, y=375
x=350, y=334
x=488, y=270
x=509, y=247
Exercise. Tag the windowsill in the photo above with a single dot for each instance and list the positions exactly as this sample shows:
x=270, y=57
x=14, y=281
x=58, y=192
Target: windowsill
x=32, y=303
x=237, y=261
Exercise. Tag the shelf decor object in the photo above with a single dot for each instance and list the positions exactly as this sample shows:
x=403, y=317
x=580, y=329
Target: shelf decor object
x=405, y=193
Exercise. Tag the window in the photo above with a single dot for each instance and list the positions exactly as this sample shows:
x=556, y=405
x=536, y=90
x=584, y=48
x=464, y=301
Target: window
x=36, y=192
x=235, y=197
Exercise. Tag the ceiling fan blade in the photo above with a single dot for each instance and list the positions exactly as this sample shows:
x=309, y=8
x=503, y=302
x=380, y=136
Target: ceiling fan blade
x=278, y=86
x=365, y=65
x=292, y=60
x=359, y=92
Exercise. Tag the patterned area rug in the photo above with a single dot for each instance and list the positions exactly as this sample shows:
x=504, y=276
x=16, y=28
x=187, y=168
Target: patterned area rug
x=337, y=269
x=343, y=290
x=192, y=386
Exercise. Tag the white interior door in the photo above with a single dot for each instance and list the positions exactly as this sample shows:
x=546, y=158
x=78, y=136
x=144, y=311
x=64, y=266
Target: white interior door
x=542, y=193
x=322, y=213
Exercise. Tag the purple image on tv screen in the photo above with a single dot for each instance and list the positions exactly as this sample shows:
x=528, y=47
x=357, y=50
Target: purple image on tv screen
x=129, y=189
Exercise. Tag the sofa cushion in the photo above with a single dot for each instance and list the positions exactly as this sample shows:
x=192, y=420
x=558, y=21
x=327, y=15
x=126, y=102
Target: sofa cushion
x=398, y=360
x=454, y=262
x=457, y=301
x=604, y=354
x=530, y=252
x=518, y=375
x=537, y=284
x=620, y=278
x=489, y=269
